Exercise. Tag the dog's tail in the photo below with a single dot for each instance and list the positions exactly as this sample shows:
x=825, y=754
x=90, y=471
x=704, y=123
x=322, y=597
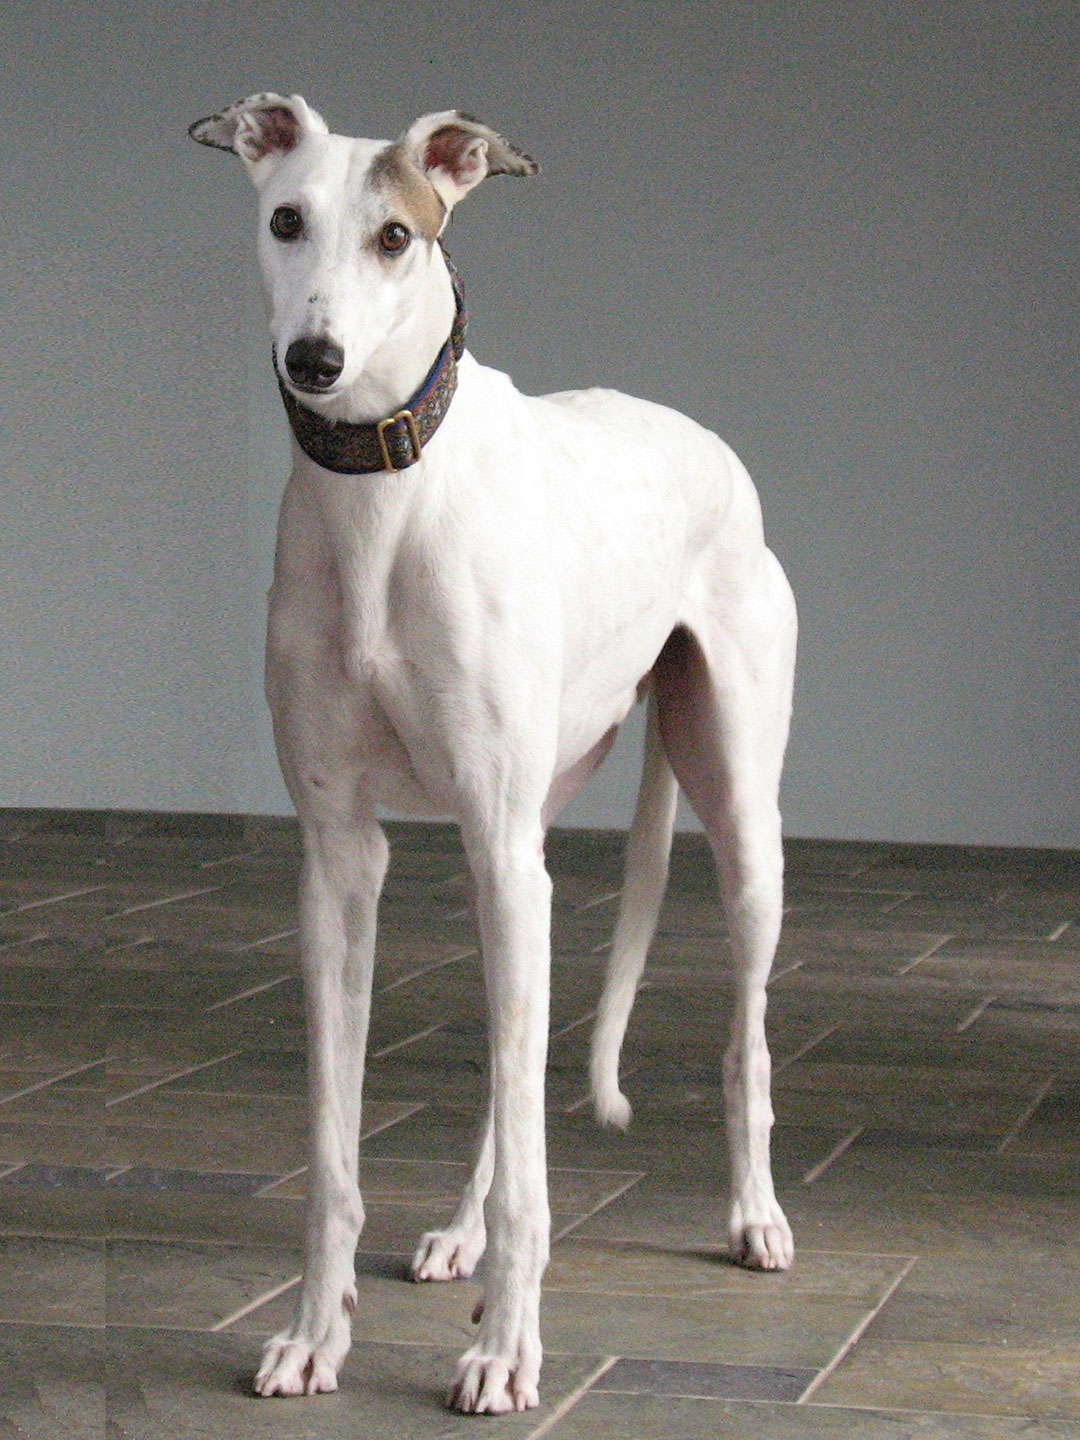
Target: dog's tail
x=648, y=849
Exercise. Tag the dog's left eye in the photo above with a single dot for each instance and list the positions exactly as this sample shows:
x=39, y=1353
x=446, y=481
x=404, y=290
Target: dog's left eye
x=394, y=237
x=286, y=223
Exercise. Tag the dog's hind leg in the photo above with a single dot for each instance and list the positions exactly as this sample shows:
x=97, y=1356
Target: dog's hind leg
x=724, y=695
x=648, y=849
x=343, y=870
x=454, y=1253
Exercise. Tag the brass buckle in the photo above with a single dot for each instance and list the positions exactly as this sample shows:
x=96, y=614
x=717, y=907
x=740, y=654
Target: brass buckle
x=414, y=438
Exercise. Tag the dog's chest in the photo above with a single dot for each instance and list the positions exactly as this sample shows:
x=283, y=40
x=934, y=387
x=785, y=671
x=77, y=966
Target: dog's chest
x=336, y=661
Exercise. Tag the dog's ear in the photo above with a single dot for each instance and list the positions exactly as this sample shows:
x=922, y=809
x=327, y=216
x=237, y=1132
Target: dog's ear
x=456, y=152
x=261, y=127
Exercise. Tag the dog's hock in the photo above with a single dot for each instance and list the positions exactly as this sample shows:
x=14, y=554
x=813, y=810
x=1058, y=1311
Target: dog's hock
x=260, y=127
x=456, y=152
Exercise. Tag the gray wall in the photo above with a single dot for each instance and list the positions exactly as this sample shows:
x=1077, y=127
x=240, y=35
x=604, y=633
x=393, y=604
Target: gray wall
x=843, y=235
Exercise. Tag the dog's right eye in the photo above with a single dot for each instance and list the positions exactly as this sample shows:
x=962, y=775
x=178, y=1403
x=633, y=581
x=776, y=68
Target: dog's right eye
x=286, y=223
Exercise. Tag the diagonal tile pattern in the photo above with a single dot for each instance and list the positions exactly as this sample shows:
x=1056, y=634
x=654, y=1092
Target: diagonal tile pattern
x=925, y=1029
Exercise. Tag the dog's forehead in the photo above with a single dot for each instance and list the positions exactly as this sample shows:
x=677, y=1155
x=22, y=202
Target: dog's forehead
x=395, y=177
x=359, y=175
x=334, y=165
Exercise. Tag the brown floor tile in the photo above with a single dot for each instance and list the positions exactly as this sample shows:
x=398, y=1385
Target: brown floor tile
x=1043, y=1382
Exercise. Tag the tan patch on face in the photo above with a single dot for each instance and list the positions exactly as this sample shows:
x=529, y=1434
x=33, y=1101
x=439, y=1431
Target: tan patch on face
x=413, y=197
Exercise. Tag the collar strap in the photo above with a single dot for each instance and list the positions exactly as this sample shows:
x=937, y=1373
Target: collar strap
x=398, y=441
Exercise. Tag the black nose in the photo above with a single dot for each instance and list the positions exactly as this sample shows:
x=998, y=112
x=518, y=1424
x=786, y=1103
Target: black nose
x=314, y=364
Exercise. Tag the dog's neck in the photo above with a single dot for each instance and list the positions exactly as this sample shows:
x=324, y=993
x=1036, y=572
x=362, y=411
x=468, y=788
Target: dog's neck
x=387, y=416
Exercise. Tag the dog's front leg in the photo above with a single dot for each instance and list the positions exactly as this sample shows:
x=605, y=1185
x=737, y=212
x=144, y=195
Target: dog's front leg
x=501, y=1371
x=342, y=876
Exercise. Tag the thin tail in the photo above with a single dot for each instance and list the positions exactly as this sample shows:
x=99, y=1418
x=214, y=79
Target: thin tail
x=648, y=849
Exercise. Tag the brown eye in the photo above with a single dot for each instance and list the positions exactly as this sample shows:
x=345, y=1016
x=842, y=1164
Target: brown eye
x=394, y=237
x=286, y=223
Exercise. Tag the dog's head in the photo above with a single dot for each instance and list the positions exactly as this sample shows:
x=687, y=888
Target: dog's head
x=347, y=232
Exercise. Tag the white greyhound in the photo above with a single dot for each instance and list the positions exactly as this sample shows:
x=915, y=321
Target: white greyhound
x=471, y=588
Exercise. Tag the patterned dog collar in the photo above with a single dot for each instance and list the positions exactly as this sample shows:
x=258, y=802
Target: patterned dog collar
x=393, y=444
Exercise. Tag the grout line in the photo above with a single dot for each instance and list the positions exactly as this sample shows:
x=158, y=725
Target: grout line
x=265, y=940
x=1014, y=1134
x=247, y=994
x=426, y=970
x=128, y=944
x=926, y=954
x=567, y=1403
x=168, y=1079
x=278, y=1180
x=568, y=1229
x=409, y=1040
x=857, y=1334
x=573, y=1025
x=25, y=940
x=166, y=900
x=969, y=1020
x=7, y=1170
x=834, y=1154
x=599, y=900
x=386, y=1124
x=787, y=970
x=52, y=1080
x=116, y=1171
x=1057, y=934
x=255, y=1304
x=55, y=899
x=902, y=898
x=810, y=1045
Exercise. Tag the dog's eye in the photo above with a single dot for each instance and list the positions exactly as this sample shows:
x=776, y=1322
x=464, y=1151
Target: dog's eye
x=286, y=223
x=393, y=237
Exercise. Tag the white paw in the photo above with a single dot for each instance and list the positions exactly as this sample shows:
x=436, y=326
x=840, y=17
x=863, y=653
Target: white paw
x=448, y=1254
x=295, y=1365
x=486, y=1385
x=760, y=1239
x=612, y=1107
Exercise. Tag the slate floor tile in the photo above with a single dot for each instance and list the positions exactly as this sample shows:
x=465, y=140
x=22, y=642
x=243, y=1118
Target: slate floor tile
x=714, y=1382
x=977, y=1379
x=52, y=1382
x=188, y=1286
x=52, y=1282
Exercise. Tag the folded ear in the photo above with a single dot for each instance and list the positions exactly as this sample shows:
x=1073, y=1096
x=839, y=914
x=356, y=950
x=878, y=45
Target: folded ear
x=456, y=152
x=260, y=127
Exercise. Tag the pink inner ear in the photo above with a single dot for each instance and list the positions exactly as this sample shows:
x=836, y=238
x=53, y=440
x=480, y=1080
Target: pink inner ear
x=449, y=149
x=274, y=130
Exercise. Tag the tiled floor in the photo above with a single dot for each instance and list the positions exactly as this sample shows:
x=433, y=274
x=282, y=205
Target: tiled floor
x=925, y=1028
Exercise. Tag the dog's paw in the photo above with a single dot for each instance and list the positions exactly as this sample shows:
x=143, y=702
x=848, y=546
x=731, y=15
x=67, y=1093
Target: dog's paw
x=487, y=1385
x=760, y=1240
x=612, y=1107
x=448, y=1254
x=295, y=1365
